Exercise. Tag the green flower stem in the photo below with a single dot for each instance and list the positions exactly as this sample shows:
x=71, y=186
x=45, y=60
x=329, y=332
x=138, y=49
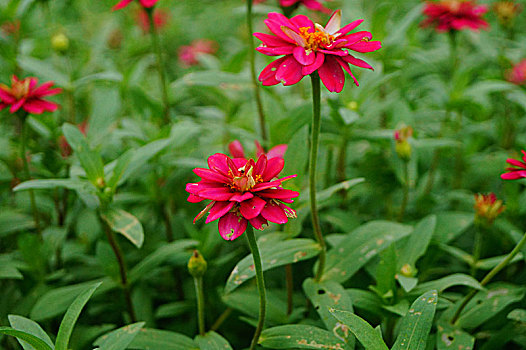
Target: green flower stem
x=315, y=133
x=477, y=248
x=199, y=292
x=122, y=269
x=260, y=282
x=405, y=198
x=255, y=83
x=221, y=319
x=489, y=277
x=160, y=65
x=23, y=143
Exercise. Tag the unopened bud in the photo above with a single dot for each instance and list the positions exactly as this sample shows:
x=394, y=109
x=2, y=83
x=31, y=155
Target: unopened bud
x=402, y=145
x=353, y=105
x=100, y=182
x=197, y=264
x=60, y=42
x=407, y=270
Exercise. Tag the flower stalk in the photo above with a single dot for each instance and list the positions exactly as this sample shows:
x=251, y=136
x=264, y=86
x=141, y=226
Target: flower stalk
x=255, y=84
x=23, y=145
x=489, y=277
x=160, y=65
x=315, y=133
x=260, y=283
x=405, y=197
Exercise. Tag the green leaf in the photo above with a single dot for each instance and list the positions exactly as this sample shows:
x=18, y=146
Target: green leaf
x=212, y=341
x=72, y=184
x=90, y=160
x=326, y=295
x=272, y=256
x=35, y=342
x=119, y=339
x=451, y=338
x=300, y=337
x=408, y=283
x=457, y=279
x=71, y=316
x=451, y=224
x=120, y=167
x=518, y=315
x=366, y=300
x=13, y=221
x=363, y=331
x=416, y=324
x=485, y=304
x=216, y=79
x=416, y=244
x=156, y=339
x=102, y=77
x=126, y=224
x=359, y=246
x=31, y=327
x=44, y=70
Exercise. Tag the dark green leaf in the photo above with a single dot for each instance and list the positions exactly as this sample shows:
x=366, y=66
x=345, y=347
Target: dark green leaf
x=119, y=339
x=31, y=327
x=451, y=224
x=212, y=341
x=156, y=339
x=363, y=331
x=451, y=338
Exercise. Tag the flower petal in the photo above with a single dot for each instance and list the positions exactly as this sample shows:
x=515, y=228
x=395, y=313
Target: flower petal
x=289, y=73
x=252, y=208
x=304, y=57
x=331, y=74
x=273, y=213
x=231, y=226
x=274, y=167
x=218, y=210
x=320, y=58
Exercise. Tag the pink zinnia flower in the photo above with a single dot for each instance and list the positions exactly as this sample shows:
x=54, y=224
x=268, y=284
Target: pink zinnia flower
x=188, y=55
x=237, y=151
x=487, y=207
x=27, y=95
x=240, y=192
x=449, y=15
x=518, y=172
x=160, y=18
x=145, y=3
x=517, y=75
x=309, y=47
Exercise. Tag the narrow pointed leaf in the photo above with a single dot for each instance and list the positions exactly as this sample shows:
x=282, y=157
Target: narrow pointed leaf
x=300, y=337
x=119, y=339
x=156, y=339
x=35, y=342
x=126, y=224
x=212, y=341
x=363, y=331
x=29, y=326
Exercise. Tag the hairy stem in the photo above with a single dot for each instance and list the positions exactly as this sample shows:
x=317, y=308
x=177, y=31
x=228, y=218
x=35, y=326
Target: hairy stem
x=255, y=84
x=489, y=277
x=260, y=282
x=315, y=133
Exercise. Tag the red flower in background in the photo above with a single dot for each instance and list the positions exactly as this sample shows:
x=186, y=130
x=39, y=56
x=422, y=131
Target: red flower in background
x=310, y=4
x=517, y=75
x=160, y=19
x=27, y=95
x=188, y=55
x=237, y=151
x=11, y=28
x=308, y=47
x=487, y=208
x=241, y=192
x=447, y=15
x=518, y=172
x=145, y=3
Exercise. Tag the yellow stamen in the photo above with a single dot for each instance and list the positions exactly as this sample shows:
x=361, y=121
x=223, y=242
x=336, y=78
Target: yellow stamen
x=315, y=40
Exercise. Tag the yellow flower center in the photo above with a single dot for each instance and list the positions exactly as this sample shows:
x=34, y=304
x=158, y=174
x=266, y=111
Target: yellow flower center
x=20, y=89
x=315, y=40
x=245, y=181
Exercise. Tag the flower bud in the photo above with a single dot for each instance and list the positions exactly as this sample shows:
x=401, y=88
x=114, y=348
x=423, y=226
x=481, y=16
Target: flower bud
x=407, y=271
x=60, y=42
x=402, y=145
x=506, y=11
x=100, y=182
x=353, y=105
x=197, y=264
x=487, y=208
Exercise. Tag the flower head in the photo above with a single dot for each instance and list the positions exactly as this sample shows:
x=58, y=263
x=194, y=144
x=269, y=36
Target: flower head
x=506, y=11
x=241, y=192
x=448, y=15
x=160, y=19
x=518, y=169
x=487, y=208
x=237, y=151
x=517, y=74
x=27, y=95
x=144, y=3
x=308, y=47
x=189, y=54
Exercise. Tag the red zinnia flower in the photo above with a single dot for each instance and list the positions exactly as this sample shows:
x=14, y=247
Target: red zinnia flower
x=242, y=191
x=487, y=207
x=449, y=15
x=144, y=3
x=309, y=47
x=518, y=172
x=188, y=54
x=160, y=18
x=27, y=95
x=237, y=151
x=517, y=75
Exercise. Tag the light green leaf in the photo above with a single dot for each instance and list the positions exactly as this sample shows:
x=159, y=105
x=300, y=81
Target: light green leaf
x=451, y=338
x=119, y=339
x=44, y=70
x=212, y=341
x=156, y=339
x=72, y=184
x=416, y=244
x=13, y=221
x=457, y=279
x=90, y=160
x=359, y=246
x=326, y=295
x=450, y=225
x=518, y=315
x=31, y=327
x=416, y=324
x=216, y=79
x=408, y=283
x=300, y=337
x=126, y=224
x=363, y=331
x=71, y=316
x=35, y=342
x=102, y=76
x=121, y=165
x=272, y=256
